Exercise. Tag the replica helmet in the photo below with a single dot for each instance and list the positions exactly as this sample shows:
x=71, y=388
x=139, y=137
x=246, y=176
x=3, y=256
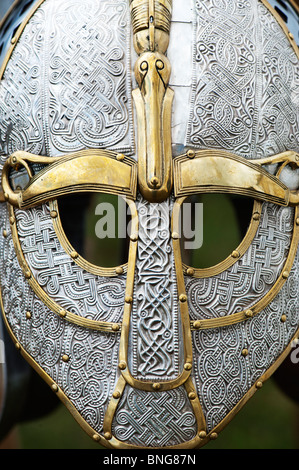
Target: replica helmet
x=161, y=103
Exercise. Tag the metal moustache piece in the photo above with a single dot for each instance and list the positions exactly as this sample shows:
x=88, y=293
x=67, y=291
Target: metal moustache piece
x=153, y=340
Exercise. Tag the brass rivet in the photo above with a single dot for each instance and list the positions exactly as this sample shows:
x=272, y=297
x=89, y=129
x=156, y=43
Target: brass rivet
x=235, y=254
x=283, y=318
x=119, y=270
x=108, y=436
x=156, y=386
x=96, y=437
x=155, y=182
x=175, y=235
x=116, y=394
x=297, y=221
x=12, y=220
x=249, y=313
x=18, y=346
x=54, y=387
x=120, y=156
x=291, y=36
x=13, y=40
x=214, y=435
x=122, y=365
x=115, y=327
x=4, y=233
x=62, y=313
x=196, y=324
x=256, y=216
x=259, y=384
x=28, y=315
x=191, y=153
x=74, y=254
x=65, y=358
x=192, y=395
x=202, y=434
x=190, y=271
x=188, y=366
x=183, y=298
x=53, y=214
x=27, y=274
x=285, y=274
x=134, y=237
x=128, y=299
x=245, y=352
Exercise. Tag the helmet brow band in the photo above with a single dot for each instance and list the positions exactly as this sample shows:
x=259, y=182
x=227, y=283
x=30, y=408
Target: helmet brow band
x=84, y=171
x=217, y=171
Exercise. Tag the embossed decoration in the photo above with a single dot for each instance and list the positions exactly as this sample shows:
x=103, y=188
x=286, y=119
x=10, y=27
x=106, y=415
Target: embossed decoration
x=69, y=285
x=155, y=350
x=76, y=78
x=154, y=420
x=152, y=353
x=222, y=374
x=252, y=276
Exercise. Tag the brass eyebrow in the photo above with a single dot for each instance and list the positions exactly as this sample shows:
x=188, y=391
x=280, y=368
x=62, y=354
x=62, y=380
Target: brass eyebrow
x=217, y=171
x=84, y=171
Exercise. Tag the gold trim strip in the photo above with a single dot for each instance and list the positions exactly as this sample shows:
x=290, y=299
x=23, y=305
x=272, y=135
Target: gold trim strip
x=10, y=9
x=295, y=4
x=113, y=404
x=234, y=318
x=193, y=444
x=77, y=258
x=197, y=408
x=182, y=296
x=45, y=298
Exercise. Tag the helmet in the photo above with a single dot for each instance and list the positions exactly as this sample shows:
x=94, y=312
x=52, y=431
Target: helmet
x=159, y=103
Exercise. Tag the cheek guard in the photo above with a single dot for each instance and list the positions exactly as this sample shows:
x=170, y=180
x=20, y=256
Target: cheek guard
x=155, y=352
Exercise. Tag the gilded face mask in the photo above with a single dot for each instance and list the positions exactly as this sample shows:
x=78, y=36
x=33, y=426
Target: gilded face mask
x=156, y=102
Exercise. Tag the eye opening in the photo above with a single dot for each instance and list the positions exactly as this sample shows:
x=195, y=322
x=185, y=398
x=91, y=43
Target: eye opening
x=226, y=217
x=93, y=229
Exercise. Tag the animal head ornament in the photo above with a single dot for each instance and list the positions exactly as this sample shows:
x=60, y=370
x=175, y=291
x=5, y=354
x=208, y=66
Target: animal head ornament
x=156, y=101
